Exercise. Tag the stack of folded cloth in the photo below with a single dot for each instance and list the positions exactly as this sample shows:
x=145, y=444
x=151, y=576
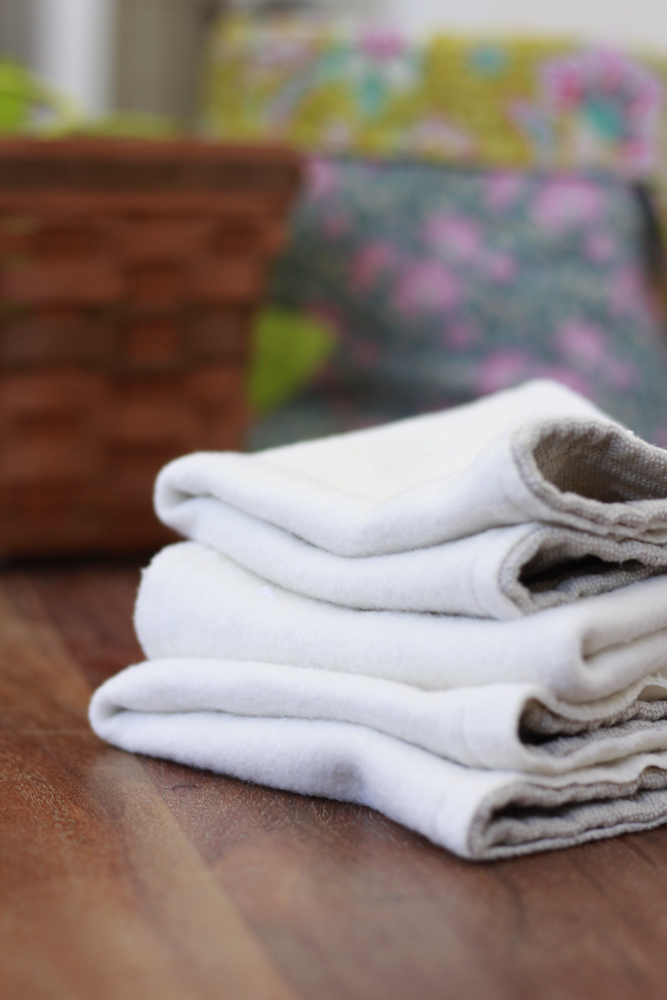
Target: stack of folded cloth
x=459, y=619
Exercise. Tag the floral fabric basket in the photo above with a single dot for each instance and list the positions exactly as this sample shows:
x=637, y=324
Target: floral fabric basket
x=444, y=284
x=547, y=104
x=479, y=212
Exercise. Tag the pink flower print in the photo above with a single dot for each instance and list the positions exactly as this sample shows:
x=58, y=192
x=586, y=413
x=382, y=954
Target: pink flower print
x=628, y=294
x=501, y=267
x=502, y=189
x=599, y=247
x=460, y=336
x=369, y=263
x=502, y=370
x=426, y=286
x=382, y=45
x=614, y=101
x=456, y=236
x=638, y=155
x=568, y=83
x=564, y=83
x=566, y=202
x=581, y=343
x=321, y=178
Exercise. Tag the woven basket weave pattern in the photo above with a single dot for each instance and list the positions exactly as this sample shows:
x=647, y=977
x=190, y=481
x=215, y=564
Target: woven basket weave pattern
x=129, y=276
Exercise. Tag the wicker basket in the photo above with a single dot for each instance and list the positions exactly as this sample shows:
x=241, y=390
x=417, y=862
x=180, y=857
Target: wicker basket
x=129, y=274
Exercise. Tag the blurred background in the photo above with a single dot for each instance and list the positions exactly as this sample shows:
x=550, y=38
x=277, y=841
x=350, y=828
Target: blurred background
x=114, y=54
x=148, y=55
x=431, y=201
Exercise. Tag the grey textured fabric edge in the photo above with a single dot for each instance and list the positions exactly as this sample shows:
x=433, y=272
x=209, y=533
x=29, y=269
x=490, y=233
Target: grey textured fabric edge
x=566, y=745
x=597, y=472
x=554, y=566
x=547, y=733
x=539, y=723
x=525, y=818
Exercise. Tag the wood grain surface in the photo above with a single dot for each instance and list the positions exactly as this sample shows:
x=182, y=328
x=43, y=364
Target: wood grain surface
x=102, y=894
x=132, y=877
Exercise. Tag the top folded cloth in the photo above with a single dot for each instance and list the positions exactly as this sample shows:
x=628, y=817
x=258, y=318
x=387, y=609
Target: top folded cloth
x=398, y=517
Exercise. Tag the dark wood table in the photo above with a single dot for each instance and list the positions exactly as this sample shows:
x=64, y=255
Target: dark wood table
x=127, y=877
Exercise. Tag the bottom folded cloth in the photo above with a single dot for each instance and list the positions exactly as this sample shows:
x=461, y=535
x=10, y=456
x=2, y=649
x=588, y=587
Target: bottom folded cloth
x=328, y=741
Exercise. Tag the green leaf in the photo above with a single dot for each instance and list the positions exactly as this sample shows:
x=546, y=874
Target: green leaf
x=18, y=92
x=289, y=350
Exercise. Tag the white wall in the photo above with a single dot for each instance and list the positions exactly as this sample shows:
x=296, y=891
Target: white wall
x=636, y=23
x=73, y=49
x=631, y=23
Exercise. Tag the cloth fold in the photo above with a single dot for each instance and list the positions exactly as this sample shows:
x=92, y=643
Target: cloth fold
x=508, y=726
x=498, y=573
x=195, y=603
x=478, y=814
x=536, y=453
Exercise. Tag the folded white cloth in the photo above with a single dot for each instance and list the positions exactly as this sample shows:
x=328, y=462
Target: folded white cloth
x=195, y=603
x=498, y=573
x=479, y=814
x=536, y=453
x=323, y=640
x=506, y=726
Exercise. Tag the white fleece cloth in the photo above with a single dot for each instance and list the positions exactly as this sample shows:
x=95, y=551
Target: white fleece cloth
x=537, y=453
x=195, y=603
x=497, y=726
x=492, y=738
x=478, y=814
x=498, y=573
